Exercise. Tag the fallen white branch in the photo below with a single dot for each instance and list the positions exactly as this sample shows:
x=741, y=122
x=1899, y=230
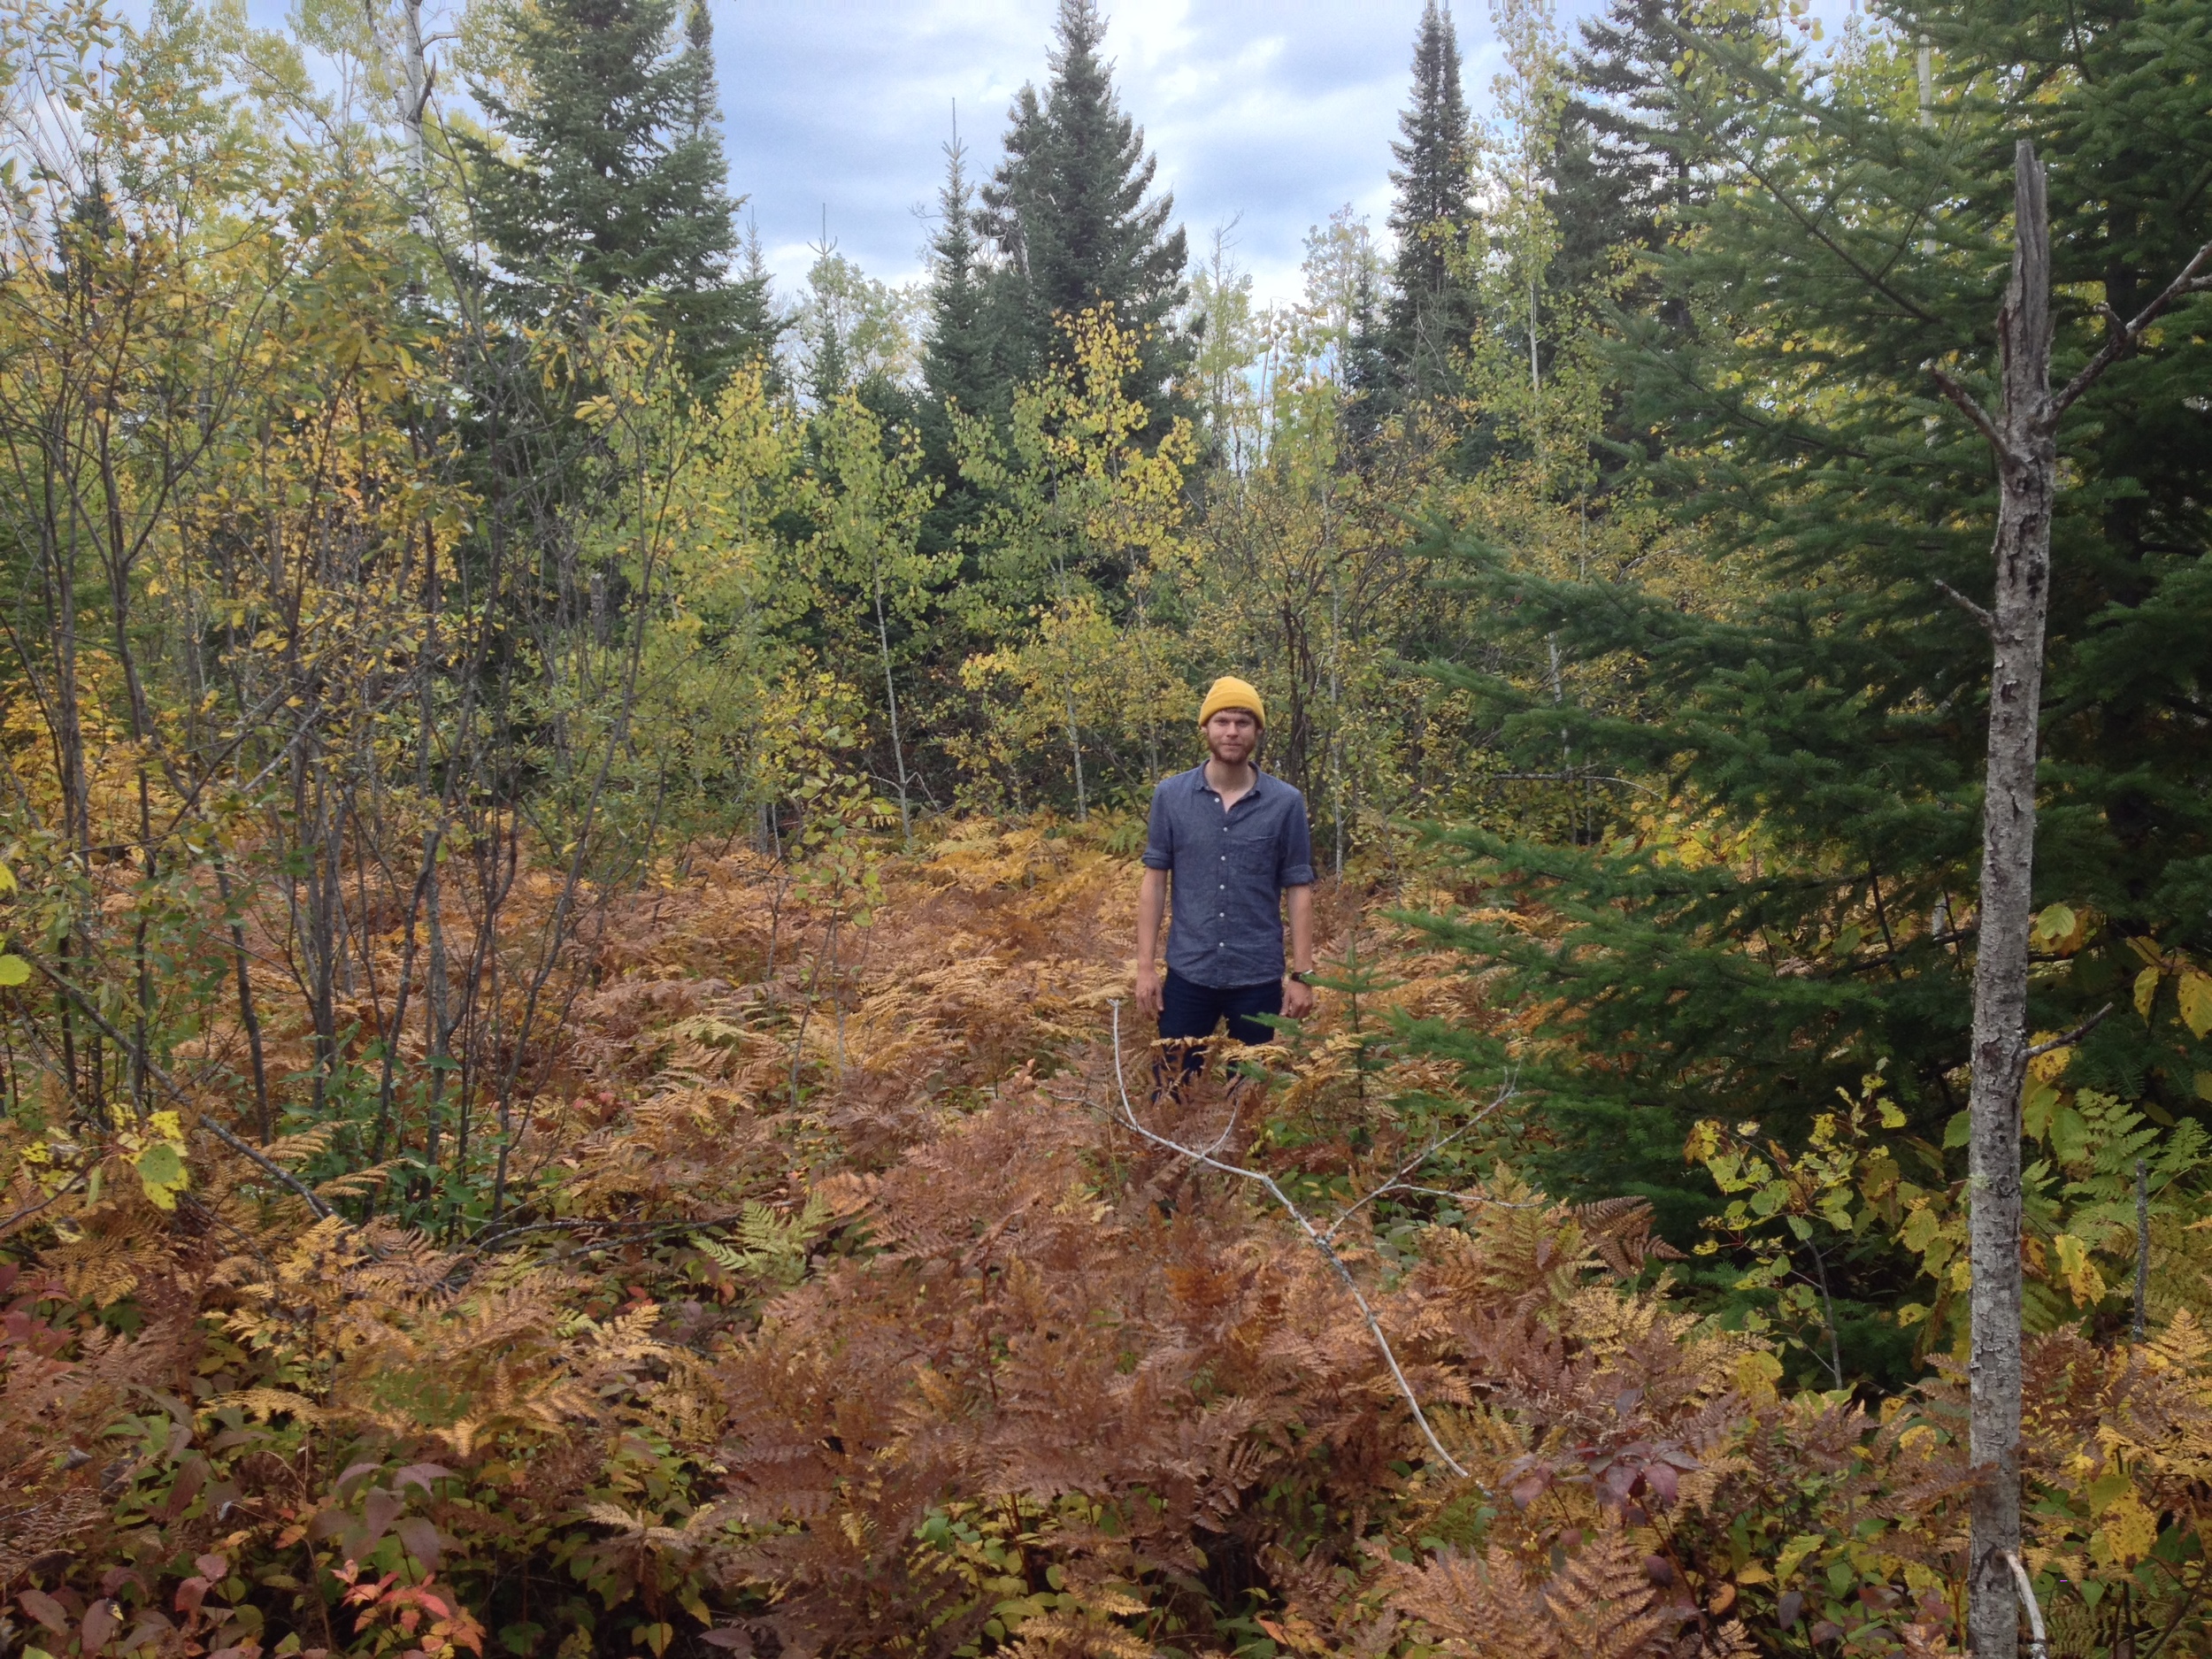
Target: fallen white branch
x=1313, y=1237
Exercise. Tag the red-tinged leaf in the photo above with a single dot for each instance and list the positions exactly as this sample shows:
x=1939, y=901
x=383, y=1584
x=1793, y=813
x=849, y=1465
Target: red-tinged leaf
x=1790, y=1608
x=729, y=1638
x=188, y=1482
x=1660, y=1480
x=101, y=1620
x=327, y=1524
x=190, y=1594
x=1659, y=1569
x=422, y=1539
x=45, y=1609
x=212, y=1567
x=381, y=1509
x=1526, y=1492
x=1824, y=1633
x=354, y=1472
x=421, y=1475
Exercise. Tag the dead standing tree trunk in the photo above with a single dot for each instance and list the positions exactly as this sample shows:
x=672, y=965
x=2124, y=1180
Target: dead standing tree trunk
x=2023, y=433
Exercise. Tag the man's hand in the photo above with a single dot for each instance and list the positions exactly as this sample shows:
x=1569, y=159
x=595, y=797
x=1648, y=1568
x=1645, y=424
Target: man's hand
x=1297, y=998
x=1148, y=980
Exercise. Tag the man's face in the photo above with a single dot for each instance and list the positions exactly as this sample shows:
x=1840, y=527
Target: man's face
x=1232, y=735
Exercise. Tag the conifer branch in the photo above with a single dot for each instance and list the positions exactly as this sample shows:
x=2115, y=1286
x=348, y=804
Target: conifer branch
x=1313, y=1237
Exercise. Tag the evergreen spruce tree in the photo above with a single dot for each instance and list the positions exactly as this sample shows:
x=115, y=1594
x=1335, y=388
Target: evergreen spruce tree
x=960, y=360
x=1068, y=207
x=756, y=323
x=618, y=177
x=1623, y=170
x=1815, y=714
x=1431, y=311
x=959, y=364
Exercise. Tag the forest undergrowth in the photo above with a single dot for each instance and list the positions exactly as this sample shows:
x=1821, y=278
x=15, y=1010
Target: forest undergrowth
x=846, y=1303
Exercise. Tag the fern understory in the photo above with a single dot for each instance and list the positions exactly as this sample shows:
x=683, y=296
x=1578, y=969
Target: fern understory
x=832, y=1306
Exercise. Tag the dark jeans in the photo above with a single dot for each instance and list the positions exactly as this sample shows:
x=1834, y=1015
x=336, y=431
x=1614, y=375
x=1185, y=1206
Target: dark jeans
x=1191, y=1013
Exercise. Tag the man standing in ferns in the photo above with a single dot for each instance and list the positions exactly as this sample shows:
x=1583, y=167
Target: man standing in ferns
x=1236, y=843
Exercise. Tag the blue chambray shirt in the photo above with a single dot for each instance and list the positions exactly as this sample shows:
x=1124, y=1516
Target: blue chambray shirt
x=1229, y=869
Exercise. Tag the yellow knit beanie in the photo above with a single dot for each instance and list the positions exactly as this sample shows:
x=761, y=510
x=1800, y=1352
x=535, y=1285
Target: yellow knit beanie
x=1231, y=693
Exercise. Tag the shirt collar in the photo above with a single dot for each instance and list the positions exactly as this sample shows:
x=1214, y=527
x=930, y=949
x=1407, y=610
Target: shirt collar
x=1199, y=783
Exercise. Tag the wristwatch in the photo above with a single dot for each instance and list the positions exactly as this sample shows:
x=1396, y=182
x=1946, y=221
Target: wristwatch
x=1304, y=976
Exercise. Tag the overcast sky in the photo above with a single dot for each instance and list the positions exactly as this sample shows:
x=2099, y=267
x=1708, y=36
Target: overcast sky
x=1279, y=110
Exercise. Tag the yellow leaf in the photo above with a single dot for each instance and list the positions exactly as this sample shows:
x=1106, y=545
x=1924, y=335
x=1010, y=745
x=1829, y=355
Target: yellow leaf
x=2083, y=1283
x=2129, y=1532
x=1757, y=1373
x=13, y=969
x=1794, y=1552
x=161, y=1172
x=2146, y=991
x=2196, y=1002
x=7, y=879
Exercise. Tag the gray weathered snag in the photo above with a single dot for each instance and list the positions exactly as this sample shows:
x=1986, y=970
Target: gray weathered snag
x=2023, y=435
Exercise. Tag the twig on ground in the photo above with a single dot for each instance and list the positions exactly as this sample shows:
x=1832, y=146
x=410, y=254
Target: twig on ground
x=1467, y=1198
x=1505, y=1094
x=1313, y=1237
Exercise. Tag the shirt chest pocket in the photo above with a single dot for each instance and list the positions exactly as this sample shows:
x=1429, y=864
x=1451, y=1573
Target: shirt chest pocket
x=1248, y=850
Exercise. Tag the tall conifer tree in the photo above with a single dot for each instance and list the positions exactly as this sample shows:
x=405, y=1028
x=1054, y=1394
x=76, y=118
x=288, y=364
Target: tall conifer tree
x=1827, y=699
x=958, y=364
x=1070, y=209
x=1431, y=310
x=617, y=176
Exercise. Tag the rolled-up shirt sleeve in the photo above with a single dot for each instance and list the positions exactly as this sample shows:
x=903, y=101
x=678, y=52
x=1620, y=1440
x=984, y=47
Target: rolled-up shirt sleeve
x=1295, y=866
x=1159, y=839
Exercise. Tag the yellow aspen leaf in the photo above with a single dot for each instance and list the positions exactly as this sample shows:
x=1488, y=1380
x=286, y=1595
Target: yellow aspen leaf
x=2056, y=922
x=13, y=970
x=161, y=1172
x=2196, y=1002
x=2146, y=990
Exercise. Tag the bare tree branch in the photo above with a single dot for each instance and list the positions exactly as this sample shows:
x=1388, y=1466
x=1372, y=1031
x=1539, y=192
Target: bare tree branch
x=2073, y=1036
x=1397, y=1181
x=1970, y=407
x=168, y=1085
x=2125, y=339
x=1313, y=1237
x=1988, y=623
x=2039, y=1642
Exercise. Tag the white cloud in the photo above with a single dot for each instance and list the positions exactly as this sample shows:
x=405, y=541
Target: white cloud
x=1278, y=111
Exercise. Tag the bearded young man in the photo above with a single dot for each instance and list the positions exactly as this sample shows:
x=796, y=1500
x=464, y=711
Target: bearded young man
x=1236, y=843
